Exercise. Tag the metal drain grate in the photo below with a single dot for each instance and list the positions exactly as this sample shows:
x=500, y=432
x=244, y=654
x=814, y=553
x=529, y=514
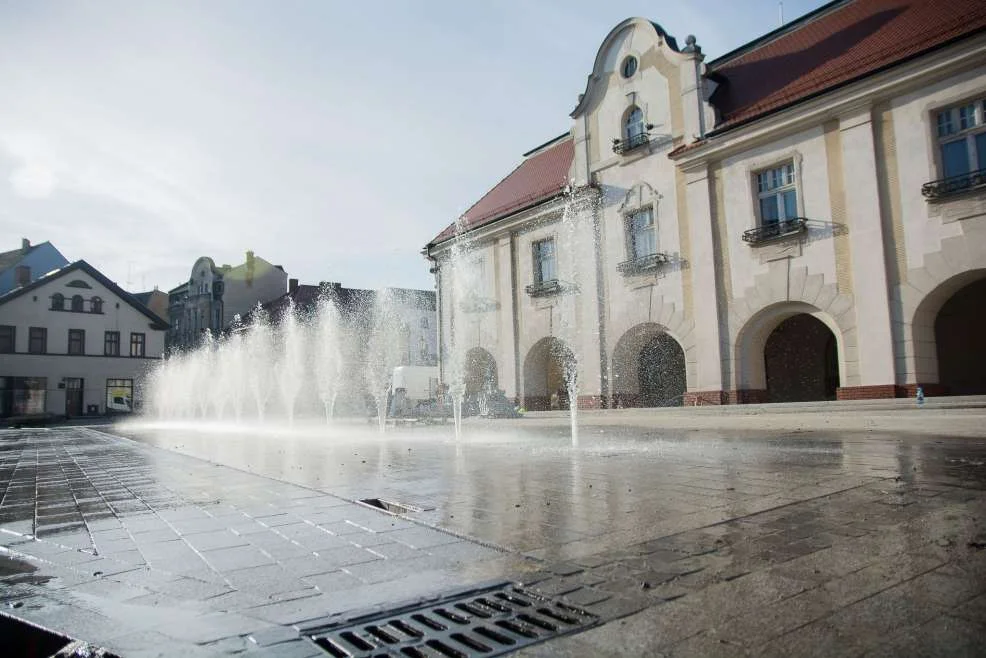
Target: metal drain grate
x=488, y=622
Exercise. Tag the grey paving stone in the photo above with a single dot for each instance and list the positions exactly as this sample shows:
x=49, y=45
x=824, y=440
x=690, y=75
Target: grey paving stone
x=334, y=581
x=266, y=580
x=421, y=537
x=207, y=541
x=238, y=557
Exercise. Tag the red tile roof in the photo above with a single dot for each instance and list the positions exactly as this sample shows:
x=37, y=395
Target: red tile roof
x=538, y=178
x=840, y=43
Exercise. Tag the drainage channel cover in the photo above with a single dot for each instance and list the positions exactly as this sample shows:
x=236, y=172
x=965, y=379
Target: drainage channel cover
x=487, y=622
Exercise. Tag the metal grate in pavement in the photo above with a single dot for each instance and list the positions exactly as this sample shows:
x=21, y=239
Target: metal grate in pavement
x=487, y=622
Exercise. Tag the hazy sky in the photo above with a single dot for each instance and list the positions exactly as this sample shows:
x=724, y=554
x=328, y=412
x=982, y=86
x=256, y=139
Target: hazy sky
x=335, y=138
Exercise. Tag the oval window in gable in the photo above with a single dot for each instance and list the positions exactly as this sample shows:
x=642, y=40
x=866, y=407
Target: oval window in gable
x=629, y=66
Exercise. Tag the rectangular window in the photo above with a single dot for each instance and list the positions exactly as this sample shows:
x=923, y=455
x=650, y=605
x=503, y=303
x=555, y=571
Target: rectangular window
x=37, y=340
x=76, y=341
x=642, y=233
x=962, y=139
x=119, y=395
x=111, y=343
x=8, y=336
x=137, y=345
x=22, y=396
x=777, y=194
x=544, y=261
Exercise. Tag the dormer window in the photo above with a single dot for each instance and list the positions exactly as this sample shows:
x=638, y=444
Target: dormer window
x=58, y=302
x=634, y=131
x=77, y=303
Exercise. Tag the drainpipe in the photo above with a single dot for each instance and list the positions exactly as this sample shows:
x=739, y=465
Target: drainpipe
x=437, y=271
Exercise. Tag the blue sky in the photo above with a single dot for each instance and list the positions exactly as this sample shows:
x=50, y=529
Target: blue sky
x=333, y=138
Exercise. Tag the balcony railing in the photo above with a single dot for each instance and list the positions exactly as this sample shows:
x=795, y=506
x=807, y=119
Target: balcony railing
x=642, y=264
x=621, y=146
x=775, y=231
x=954, y=184
x=543, y=288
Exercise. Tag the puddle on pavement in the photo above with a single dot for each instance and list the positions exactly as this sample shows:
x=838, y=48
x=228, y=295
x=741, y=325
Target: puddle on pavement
x=20, y=572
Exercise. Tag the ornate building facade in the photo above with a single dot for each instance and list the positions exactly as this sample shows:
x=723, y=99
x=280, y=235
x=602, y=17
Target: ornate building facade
x=803, y=218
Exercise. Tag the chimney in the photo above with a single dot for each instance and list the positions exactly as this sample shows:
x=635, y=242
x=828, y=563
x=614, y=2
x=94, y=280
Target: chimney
x=292, y=286
x=249, y=268
x=22, y=275
x=25, y=245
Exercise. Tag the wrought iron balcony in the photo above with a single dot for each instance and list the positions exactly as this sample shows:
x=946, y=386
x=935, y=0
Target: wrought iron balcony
x=643, y=264
x=543, y=288
x=775, y=231
x=954, y=184
x=621, y=146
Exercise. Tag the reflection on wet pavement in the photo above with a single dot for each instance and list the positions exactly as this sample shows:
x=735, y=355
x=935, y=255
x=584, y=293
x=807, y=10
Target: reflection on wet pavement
x=814, y=544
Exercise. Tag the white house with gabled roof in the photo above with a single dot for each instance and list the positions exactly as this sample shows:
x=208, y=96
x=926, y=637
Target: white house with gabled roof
x=73, y=343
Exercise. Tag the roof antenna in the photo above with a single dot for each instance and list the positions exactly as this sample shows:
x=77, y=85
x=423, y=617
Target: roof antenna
x=780, y=13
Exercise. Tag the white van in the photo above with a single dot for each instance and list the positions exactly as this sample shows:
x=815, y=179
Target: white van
x=412, y=385
x=119, y=403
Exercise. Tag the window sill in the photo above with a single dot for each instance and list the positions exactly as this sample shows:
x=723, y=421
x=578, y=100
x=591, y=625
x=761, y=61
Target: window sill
x=543, y=288
x=768, y=233
x=643, y=264
x=68, y=310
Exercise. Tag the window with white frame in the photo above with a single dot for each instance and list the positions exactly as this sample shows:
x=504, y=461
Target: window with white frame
x=777, y=194
x=642, y=233
x=544, y=261
x=962, y=138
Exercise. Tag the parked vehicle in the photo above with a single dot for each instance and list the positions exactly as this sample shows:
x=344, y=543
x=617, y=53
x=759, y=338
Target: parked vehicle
x=412, y=386
x=119, y=403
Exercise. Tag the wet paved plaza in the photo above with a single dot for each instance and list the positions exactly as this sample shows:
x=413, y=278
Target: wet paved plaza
x=681, y=543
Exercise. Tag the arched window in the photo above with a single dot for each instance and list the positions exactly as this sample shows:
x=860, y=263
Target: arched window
x=58, y=302
x=424, y=322
x=96, y=305
x=77, y=303
x=635, y=125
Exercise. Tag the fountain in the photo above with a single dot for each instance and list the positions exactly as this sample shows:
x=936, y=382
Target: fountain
x=304, y=365
x=297, y=366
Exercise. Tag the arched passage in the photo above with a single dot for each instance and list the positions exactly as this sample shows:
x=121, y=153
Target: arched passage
x=771, y=323
x=959, y=344
x=648, y=368
x=481, y=372
x=545, y=368
x=801, y=361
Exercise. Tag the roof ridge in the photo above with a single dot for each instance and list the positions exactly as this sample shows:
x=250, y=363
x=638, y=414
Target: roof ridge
x=108, y=283
x=550, y=142
x=781, y=31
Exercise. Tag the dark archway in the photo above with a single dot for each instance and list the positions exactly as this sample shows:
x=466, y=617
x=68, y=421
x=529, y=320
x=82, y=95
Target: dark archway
x=661, y=372
x=959, y=328
x=481, y=372
x=648, y=368
x=544, y=373
x=801, y=360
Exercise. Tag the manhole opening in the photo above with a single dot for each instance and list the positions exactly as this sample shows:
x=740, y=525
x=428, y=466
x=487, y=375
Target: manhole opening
x=390, y=506
x=488, y=622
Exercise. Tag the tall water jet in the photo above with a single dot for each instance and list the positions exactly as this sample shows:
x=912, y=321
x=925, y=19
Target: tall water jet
x=259, y=345
x=463, y=276
x=327, y=336
x=577, y=234
x=290, y=366
x=383, y=352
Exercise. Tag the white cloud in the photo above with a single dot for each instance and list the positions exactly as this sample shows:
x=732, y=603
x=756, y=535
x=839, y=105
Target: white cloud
x=140, y=136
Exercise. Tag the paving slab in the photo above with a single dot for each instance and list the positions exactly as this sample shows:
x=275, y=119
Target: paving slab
x=682, y=543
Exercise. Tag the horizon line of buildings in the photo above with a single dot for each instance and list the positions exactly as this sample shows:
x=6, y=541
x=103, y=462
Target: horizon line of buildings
x=74, y=343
